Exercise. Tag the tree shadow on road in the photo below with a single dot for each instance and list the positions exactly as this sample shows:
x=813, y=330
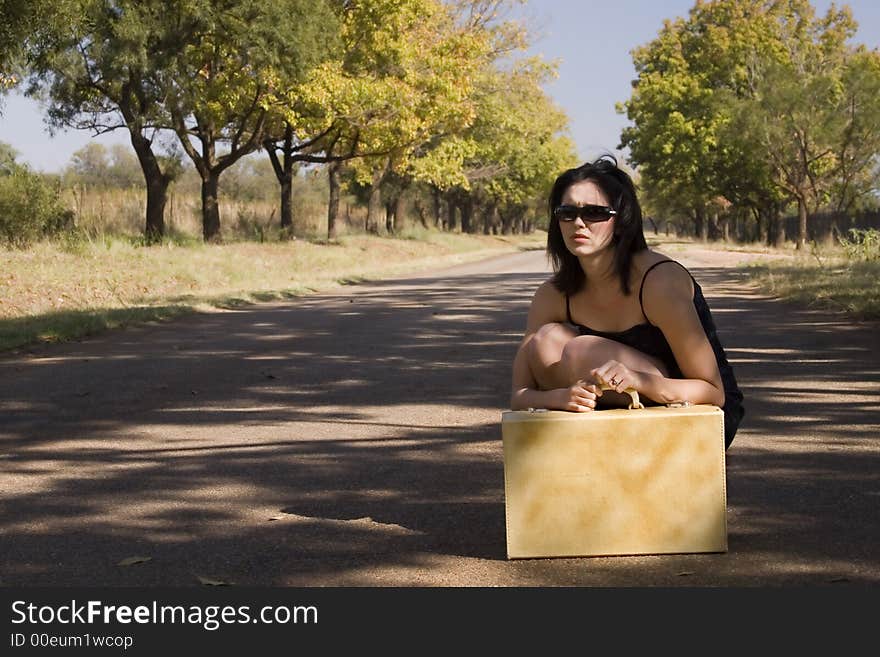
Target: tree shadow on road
x=355, y=439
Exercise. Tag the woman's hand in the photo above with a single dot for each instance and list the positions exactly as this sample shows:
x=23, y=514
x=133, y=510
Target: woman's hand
x=580, y=397
x=618, y=376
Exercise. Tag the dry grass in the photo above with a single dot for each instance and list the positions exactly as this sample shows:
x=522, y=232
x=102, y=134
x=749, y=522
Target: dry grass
x=684, y=242
x=117, y=212
x=822, y=276
x=52, y=292
x=835, y=284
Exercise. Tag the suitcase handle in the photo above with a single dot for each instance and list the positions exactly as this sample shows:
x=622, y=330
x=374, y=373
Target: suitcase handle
x=632, y=392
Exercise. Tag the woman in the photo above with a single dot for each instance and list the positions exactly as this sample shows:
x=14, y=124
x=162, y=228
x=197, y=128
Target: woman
x=615, y=312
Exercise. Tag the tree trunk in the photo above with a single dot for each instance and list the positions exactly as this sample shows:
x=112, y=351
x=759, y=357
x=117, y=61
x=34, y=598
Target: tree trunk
x=802, y=223
x=398, y=212
x=451, y=213
x=284, y=173
x=157, y=188
x=760, y=227
x=333, y=204
x=157, y=195
x=423, y=218
x=210, y=207
x=507, y=220
x=775, y=229
x=438, y=208
x=287, y=201
x=374, y=207
x=703, y=221
x=389, y=217
x=466, y=207
x=490, y=220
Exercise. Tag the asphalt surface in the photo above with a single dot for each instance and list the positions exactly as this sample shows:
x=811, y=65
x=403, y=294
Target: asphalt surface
x=354, y=439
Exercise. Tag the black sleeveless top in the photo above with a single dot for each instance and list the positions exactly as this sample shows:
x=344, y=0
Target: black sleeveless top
x=650, y=340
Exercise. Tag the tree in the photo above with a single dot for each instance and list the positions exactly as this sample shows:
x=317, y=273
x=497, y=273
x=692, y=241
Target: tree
x=689, y=78
x=237, y=62
x=739, y=101
x=207, y=70
x=857, y=149
x=797, y=106
x=522, y=145
x=8, y=155
x=96, y=165
x=98, y=75
x=24, y=25
x=507, y=158
x=404, y=83
x=673, y=133
x=89, y=165
x=30, y=204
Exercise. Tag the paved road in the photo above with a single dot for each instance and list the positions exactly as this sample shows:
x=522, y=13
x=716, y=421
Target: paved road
x=354, y=439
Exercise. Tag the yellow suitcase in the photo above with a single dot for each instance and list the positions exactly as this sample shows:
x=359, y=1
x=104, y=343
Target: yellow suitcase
x=615, y=482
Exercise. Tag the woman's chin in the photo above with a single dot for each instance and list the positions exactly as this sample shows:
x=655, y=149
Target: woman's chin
x=586, y=248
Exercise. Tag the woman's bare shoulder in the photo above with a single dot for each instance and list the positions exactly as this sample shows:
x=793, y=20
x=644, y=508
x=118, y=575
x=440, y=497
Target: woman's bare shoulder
x=548, y=304
x=643, y=260
x=547, y=290
x=667, y=291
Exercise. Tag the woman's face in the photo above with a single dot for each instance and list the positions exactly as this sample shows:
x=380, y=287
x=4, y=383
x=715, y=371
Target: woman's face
x=585, y=238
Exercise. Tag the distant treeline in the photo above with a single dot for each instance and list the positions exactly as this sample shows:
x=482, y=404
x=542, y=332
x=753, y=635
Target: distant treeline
x=748, y=111
x=426, y=103
x=823, y=227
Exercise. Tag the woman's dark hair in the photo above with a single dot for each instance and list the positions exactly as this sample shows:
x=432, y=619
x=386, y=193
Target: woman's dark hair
x=628, y=237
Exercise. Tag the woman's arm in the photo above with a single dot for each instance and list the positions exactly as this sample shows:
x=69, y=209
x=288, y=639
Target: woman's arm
x=668, y=302
x=579, y=397
x=525, y=393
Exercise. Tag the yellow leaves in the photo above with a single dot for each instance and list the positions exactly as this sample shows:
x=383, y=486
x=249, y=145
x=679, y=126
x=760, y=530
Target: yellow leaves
x=8, y=80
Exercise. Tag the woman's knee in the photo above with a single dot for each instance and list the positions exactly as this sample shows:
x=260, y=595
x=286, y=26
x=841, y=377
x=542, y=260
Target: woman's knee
x=543, y=351
x=587, y=352
x=584, y=352
x=548, y=342
x=552, y=336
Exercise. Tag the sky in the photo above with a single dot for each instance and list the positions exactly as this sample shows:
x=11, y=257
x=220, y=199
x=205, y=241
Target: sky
x=591, y=39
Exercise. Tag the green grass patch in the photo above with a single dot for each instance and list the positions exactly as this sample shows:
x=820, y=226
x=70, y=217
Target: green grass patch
x=71, y=324
x=62, y=290
x=838, y=284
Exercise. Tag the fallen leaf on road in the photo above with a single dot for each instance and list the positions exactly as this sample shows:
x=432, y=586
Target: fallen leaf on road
x=130, y=561
x=212, y=582
x=369, y=523
x=685, y=573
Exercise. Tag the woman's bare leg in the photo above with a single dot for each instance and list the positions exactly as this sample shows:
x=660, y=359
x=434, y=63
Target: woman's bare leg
x=544, y=352
x=584, y=353
x=558, y=357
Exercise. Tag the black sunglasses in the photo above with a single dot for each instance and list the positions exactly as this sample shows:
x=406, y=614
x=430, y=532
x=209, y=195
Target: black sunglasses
x=588, y=213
